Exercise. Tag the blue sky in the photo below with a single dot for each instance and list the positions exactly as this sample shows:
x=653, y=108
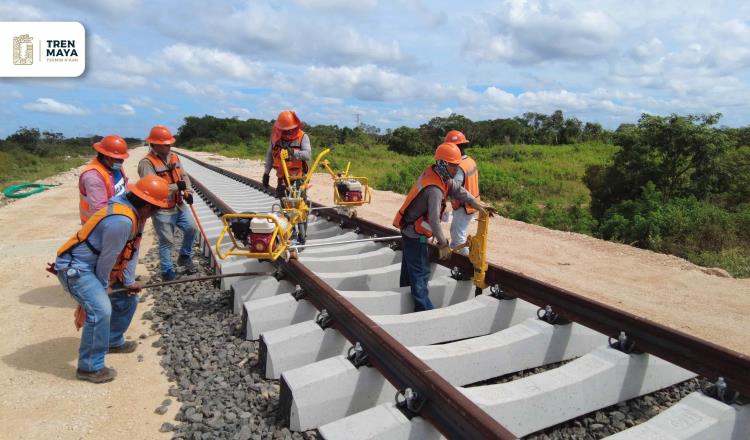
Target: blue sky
x=392, y=62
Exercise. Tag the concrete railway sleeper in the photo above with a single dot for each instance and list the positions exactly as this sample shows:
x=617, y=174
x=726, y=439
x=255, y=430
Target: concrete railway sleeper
x=463, y=341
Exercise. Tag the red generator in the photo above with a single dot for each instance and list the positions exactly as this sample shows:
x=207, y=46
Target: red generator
x=261, y=231
x=352, y=191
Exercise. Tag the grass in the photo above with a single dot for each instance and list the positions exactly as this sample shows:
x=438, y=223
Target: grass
x=21, y=167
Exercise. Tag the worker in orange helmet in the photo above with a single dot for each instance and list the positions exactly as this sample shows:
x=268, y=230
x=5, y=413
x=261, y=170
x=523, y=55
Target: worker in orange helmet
x=287, y=135
x=103, y=177
x=100, y=257
x=161, y=161
x=468, y=177
x=419, y=220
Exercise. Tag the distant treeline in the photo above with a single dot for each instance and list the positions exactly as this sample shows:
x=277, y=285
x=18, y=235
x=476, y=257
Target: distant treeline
x=530, y=128
x=52, y=144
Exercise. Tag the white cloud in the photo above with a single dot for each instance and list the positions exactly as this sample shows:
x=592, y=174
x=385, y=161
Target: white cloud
x=124, y=110
x=530, y=32
x=6, y=95
x=202, y=62
x=49, y=105
x=346, y=5
x=284, y=35
x=18, y=12
x=111, y=8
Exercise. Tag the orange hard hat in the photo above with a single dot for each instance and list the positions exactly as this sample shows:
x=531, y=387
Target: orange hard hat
x=287, y=120
x=154, y=190
x=160, y=135
x=448, y=152
x=113, y=146
x=456, y=137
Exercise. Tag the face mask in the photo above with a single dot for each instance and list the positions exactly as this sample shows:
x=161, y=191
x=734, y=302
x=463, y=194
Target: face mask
x=117, y=166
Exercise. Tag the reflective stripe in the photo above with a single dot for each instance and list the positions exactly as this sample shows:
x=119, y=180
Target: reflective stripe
x=472, y=172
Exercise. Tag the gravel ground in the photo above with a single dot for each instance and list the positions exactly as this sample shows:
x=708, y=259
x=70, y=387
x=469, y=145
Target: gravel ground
x=618, y=417
x=607, y=421
x=217, y=380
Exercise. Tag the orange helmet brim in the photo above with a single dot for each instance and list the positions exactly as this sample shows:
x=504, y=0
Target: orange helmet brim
x=98, y=147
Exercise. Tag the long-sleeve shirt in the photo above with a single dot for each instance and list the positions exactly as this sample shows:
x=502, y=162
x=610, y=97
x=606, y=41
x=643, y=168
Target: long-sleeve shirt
x=429, y=202
x=109, y=237
x=146, y=168
x=92, y=184
x=304, y=153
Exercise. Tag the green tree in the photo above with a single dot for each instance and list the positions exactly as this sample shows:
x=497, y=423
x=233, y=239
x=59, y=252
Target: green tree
x=408, y=141
x=679, y=154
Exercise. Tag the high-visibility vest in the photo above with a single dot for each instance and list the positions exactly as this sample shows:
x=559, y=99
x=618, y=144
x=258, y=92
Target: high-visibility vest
x=471, y=183
x=428, y=178
x=113, y=188
x=128, y=251
x=296, y=167
x=170, y=171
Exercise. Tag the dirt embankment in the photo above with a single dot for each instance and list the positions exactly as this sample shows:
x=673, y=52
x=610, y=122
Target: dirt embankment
x=40, y=397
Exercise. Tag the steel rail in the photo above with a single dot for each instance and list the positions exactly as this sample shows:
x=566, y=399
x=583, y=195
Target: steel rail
x=690, y=352
x=449, y=410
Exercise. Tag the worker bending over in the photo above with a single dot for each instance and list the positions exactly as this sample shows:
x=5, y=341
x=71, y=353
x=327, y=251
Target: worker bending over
x=419, y=219
x=103, y=256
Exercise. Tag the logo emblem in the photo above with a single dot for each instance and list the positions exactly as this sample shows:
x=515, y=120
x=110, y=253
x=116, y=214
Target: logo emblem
x=23, y=50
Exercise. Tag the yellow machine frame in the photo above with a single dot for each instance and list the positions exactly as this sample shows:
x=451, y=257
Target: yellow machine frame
x=477, y=245
x=283, y=233
x=294, y=208
x=340, y=177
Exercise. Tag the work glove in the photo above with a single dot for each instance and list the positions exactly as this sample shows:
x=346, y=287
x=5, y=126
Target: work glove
x=133, y=288
x=181, y=185
x=266, y=179
x=491, y=212
x=188, y=198
x=444, y=251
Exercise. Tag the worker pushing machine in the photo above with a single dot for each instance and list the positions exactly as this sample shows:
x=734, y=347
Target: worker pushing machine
x=419, y=220
x=161, y=161
x=102, y=256
x=287, y=135
x=103, y=177
x=468, y=177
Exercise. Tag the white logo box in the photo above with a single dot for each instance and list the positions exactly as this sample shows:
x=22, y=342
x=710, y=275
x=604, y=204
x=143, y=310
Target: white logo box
x=42, y=49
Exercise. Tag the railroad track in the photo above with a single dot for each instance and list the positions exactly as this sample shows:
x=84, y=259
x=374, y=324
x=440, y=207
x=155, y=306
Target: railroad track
x=336, y=330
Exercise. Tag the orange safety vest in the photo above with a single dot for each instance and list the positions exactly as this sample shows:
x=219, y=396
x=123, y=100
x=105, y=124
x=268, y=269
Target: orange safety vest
x=296, y=167
x=428, y=178
x=128, y=251
x=471, y=183
x=84, y=207
x=170, y=171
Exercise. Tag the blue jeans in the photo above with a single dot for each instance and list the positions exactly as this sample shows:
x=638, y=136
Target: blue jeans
x=415, y=271
x=107, y=317
x=165, y=224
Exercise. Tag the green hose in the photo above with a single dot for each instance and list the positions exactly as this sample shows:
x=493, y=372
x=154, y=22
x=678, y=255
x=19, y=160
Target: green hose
x=24, y=190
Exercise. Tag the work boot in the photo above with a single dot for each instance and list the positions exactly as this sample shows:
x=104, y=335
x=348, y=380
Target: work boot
x=169, y=275
x=187, y=263
x=106, y=374
x=127, y=347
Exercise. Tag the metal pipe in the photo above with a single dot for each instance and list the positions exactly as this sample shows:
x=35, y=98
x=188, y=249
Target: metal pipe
x=190, y=280
x=363, y=240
